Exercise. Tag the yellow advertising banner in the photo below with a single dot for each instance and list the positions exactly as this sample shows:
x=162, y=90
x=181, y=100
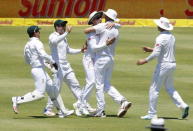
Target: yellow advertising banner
x=84, y=21
x=176, y=9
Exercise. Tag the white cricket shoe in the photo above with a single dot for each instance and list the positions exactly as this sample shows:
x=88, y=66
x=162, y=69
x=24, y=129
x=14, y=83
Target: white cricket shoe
x=89, y=108
x=84, y=111
x=77, y=110
x=123, y=109
x=185, y=112
x=148, y=117
x=49, y=113
x=59, y=113
x=65, y=113
x=100, y=114
x=14, y=105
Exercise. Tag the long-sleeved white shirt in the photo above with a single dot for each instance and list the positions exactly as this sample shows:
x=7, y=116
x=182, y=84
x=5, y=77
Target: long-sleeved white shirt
x=164, y=48
x=92, y=45
x=35, y=54
x=104, y=33
x=60, y=48
x=93, y=39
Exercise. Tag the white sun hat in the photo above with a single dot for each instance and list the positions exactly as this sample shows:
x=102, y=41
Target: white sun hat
x=93, y=15
x=164, y=23
x=112, y=14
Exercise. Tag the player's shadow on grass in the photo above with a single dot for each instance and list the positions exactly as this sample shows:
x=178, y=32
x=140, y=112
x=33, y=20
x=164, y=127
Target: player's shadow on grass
x=115, y=116
x=111, y=115
x=171, y=118
x=107, y=116
x=41, y=117
x=35, y=117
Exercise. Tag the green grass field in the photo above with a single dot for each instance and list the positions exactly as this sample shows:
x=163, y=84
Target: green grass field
x=131, y=80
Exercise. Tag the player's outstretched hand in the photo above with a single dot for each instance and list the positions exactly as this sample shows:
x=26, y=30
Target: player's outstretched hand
x=110, y=25
x=110, y=41
x=84, y=48
x=141, y=62
x=68, y=29
x=147, y=49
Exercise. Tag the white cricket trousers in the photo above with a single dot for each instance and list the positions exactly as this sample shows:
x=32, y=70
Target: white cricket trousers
x=42, y=80
x=163, y=75
x=66, y=74
x=103, y=71
x=88, y=64
x=69, y=78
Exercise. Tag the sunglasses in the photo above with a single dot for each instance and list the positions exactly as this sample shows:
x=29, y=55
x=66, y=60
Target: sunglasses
x=97, y=17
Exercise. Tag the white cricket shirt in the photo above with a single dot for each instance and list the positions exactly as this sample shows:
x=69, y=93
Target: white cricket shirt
x=59, y=47
x=104, y=35
x=35, y=54
x=164, y=48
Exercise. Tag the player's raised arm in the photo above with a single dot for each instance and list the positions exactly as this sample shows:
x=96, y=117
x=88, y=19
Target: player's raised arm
x=60, y=27
x=100, y=28
x=55, y=39
x=89, y=30
x=111, y=25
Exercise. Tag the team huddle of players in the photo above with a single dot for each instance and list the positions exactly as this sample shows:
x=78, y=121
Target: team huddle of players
x=98, y=61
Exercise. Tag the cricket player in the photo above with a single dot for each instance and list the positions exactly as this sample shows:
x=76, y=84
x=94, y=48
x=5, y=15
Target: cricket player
x=59, y=50
x=164, y=51
x=89, y=59
x=104, y=61
x=36, y=56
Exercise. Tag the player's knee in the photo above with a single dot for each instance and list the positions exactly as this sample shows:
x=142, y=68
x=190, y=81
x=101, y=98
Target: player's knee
x=38, y=94
x=49, y=83
x=92, y=83
x=53, y=92
x=169, y=90
x=73, y=83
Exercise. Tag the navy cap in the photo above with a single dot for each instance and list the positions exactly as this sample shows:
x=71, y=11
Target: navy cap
x=32, y=29
x=60, y=23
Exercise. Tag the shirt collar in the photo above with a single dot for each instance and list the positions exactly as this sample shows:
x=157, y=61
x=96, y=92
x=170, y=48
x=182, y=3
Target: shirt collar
x=33, y=38
x=56, y=33
x=165, y=32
